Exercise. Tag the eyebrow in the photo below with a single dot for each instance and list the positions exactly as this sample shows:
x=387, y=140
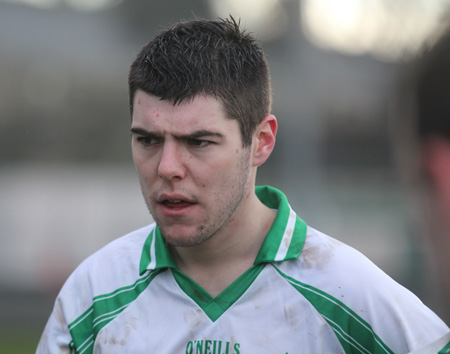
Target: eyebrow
x=195, y=135
x=140, y=131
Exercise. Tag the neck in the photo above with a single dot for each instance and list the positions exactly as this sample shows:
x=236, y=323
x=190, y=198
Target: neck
x=220, y=260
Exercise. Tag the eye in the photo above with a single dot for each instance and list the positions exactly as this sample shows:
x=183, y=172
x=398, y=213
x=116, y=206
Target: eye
x=147, y=140
x=199, y=143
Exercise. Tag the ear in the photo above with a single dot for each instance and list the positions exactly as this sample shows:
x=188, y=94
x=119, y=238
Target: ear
x=264, y=139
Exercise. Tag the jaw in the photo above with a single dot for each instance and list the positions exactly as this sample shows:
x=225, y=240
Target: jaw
x=183, y=235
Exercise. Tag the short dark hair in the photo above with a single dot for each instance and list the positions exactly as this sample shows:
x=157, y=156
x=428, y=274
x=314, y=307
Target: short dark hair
x=202, y=57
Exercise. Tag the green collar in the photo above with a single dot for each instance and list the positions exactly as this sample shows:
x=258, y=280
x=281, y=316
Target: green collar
x=283, y=242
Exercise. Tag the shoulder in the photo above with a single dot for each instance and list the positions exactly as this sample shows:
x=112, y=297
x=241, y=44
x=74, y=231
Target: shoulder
x=328, y=261
x=348, y=279
x=114, y=266
x=340, y=271
x=123, y=251
x=442, y=345
x=111, y=268
x=348, y=275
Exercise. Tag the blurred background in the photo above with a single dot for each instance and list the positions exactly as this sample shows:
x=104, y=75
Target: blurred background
x=67, y=181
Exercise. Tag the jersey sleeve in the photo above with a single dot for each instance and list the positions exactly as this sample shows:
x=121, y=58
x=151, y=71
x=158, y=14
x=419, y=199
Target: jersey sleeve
x=74, y=298
x=440, y=346
x=104, y=271
x=56, y=337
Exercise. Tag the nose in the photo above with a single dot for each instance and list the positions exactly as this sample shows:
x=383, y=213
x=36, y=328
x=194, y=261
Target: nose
x=171, y=164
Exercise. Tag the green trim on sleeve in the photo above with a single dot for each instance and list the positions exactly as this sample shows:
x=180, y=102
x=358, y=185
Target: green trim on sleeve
x=445, y=349
x=103, y=310
x=72, y=349
x=352, y=331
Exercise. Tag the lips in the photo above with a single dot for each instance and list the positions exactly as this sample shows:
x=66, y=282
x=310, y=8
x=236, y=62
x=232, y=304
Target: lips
x=176, y=203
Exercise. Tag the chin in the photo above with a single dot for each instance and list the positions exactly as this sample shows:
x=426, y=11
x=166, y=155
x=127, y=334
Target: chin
x=183, y=239
x=182, y=242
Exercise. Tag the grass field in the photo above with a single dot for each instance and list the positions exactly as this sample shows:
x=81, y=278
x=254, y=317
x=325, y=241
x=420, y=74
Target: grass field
x=23, y=315
x=13, y=341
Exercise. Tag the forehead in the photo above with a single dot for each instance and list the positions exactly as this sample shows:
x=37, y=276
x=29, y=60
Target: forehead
x=202, y=112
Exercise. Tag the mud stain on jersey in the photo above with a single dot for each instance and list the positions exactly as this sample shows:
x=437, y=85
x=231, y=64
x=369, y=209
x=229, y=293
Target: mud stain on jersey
x=120, y=338
x=193, y=319
x=287, y=240
x=291, y=317
x=317, y=255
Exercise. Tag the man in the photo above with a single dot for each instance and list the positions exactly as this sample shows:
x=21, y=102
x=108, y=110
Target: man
x=423, y=141
x=227, y=267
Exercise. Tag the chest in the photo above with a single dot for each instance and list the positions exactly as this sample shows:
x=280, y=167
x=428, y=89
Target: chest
x=265, y=316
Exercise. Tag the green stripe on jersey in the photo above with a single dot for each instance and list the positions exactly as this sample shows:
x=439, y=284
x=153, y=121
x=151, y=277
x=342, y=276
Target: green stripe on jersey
x=72, y=349
x=215, y=307
x=445, y=349
x=155, y=253
x=352, y=331
x=104, y=309
x=286, y=237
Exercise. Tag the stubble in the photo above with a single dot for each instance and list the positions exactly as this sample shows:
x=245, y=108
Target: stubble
x=229, y=198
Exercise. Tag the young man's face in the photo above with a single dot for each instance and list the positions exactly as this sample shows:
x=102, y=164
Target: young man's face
x=193, y=170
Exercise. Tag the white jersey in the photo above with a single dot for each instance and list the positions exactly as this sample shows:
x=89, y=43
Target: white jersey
x=305, y=293
x=441, y=346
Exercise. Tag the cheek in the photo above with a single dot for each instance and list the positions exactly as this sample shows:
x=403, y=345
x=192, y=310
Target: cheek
x=137, y=160
x=221, y=173
x=145, y=172
x=143, y=163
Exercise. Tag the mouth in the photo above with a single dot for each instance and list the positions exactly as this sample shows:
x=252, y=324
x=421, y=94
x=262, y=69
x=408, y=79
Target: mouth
x=176, y=204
